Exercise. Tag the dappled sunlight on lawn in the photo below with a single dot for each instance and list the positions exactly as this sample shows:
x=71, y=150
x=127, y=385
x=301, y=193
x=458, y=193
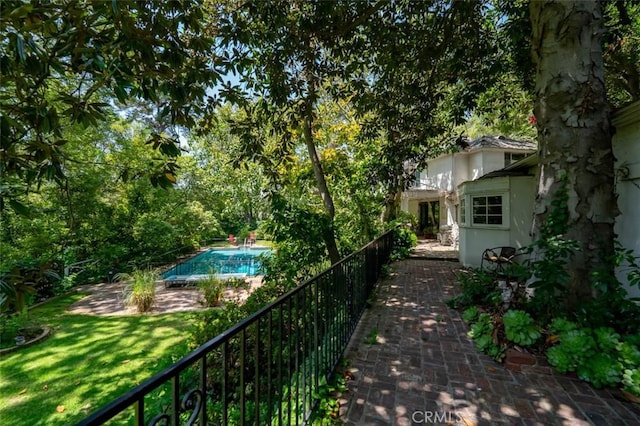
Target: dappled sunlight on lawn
x=84, y=364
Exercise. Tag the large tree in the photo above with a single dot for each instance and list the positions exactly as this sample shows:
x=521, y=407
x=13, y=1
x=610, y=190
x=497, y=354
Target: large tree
x=574, y=131
x=424, y=64
x=282, y=51
x=68, y=62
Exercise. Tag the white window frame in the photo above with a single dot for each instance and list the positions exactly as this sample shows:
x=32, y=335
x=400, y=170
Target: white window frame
x=487, y=205
x=508, y=157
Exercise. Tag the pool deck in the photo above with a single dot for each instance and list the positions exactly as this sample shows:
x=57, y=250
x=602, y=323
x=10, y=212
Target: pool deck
x=107, y=299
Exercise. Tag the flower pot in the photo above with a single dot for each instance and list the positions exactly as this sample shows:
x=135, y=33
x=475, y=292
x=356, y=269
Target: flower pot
x=19, y=340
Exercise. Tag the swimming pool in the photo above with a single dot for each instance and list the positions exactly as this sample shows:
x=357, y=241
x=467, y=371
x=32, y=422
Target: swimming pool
x=240, y=262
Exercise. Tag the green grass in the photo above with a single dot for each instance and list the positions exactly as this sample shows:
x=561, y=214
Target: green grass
x=85, y=363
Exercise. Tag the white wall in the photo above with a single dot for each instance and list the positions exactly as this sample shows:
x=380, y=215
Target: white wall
x=492, y=160
x=518, y=194
x=438, y=174
x=475, y=165
x=626, y=148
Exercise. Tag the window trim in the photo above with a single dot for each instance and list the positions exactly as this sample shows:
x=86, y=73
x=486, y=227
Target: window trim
x=508, y=157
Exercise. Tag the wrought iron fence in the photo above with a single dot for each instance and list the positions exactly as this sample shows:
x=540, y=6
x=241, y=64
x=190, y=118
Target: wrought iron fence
x=267, y=368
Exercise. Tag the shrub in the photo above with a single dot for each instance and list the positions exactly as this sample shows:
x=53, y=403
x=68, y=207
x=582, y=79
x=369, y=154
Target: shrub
x=140, y=290
x=478, y=288
x=403, y=241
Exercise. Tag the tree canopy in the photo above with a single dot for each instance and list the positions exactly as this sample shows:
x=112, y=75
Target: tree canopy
x=323, y=106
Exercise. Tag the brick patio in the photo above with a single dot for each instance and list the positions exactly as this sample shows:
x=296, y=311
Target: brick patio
x=425, y=370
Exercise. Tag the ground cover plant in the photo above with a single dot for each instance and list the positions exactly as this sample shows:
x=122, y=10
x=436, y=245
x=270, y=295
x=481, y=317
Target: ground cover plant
x=530, y=308
x=85, y=363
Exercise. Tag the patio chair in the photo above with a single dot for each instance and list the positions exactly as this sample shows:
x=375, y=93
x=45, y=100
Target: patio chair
x=498, y=258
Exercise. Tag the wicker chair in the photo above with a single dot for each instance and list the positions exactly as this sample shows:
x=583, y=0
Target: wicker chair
x=498, y=258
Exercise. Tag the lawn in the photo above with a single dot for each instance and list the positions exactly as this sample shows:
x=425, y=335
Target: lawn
x=86, y=362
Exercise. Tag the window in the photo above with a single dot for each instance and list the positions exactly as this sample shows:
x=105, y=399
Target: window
x=487, y=210
x=463, y=213
x=512, y=157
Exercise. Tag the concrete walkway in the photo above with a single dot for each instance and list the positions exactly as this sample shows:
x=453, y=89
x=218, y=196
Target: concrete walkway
x=425, y=370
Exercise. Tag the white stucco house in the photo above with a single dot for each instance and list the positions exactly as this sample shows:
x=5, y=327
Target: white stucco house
x=497, y=209
x=433, y=198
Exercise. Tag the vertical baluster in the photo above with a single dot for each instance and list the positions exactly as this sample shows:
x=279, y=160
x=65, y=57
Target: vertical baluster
x=175, y=399
x=289, y=371
x=203, y=386
x=317, y=350
x=305, y=354
x=256, y=380
x=296, y=373
x=269, y=364
x=280, y=353
x=139, y=411
x=225, y=381
x=243, y=341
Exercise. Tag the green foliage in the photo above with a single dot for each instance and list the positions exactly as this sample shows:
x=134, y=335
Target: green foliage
x=140, y=290
x=327, y=397
x=212, y=290
x=403, y=241
x=601, y=369
x=19, y=324
x=611, y=307
x=554, y=252
x=20, y=284
x=67, y=283
x=470, y=314
x=478, y=288
x=575, y=347
x=372, y=337
x=631, y=381
x=599, y=356
x=520, y=328
x=483, y=333
x=561, y=325
x=53, y=78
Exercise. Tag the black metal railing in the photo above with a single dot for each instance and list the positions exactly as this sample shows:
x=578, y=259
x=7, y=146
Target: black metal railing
x=267, y=368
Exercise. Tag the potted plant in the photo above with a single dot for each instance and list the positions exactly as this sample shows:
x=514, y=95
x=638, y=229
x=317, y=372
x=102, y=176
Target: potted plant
x=19, y=329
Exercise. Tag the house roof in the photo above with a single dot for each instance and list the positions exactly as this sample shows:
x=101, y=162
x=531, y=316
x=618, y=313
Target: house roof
x=519, y=168
x=500, y=142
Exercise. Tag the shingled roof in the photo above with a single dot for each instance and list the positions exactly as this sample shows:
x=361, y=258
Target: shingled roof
x=499, y=142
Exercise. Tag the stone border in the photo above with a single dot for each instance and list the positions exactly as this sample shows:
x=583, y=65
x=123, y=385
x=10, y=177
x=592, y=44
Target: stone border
x=46, y=331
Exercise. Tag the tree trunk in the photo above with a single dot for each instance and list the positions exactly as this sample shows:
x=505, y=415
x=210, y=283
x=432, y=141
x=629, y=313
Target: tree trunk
x=327, y=200
x=391, y=204
x=574, y=132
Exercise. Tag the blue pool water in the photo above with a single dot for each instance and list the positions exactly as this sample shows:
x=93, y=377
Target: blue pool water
x=224, y=262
